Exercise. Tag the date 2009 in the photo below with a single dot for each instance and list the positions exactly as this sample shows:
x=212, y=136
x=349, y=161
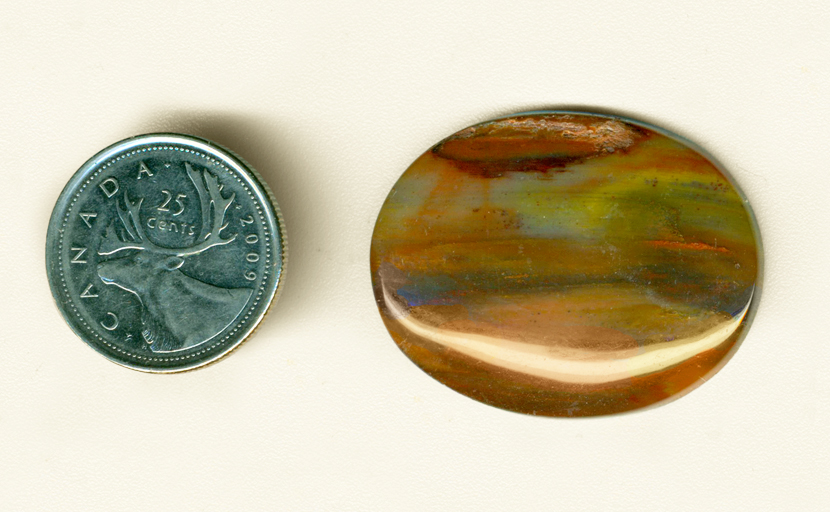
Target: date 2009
x=251, y=257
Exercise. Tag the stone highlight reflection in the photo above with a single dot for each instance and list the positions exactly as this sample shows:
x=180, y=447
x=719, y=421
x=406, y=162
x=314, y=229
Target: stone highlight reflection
x=566, y=264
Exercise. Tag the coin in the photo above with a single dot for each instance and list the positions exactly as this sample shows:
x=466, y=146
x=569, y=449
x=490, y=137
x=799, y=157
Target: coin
x=164, y=252
x=566, y=264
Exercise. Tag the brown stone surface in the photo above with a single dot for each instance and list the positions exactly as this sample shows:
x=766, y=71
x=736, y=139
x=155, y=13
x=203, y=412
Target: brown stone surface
x=566, y=264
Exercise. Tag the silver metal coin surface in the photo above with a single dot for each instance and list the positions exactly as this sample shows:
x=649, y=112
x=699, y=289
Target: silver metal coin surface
x=164, y=252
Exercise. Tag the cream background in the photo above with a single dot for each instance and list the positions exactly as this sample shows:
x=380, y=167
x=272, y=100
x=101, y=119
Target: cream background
x=331, y=101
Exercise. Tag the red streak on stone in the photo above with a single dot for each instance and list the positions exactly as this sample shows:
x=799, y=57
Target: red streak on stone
x=695, y=246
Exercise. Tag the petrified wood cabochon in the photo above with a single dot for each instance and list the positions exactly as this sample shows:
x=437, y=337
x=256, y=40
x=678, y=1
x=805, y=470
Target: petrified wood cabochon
x=566, y=264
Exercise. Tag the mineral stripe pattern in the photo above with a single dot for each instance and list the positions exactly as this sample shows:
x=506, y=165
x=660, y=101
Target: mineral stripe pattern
x=566, y=264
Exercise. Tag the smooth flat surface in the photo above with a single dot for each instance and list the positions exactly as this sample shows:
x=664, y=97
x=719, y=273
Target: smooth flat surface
x=331, y=102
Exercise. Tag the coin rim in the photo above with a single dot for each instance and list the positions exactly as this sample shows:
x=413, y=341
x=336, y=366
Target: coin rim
x=254, y=180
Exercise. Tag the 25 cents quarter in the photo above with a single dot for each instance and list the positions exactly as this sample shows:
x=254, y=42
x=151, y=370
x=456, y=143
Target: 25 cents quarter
x=164, y=252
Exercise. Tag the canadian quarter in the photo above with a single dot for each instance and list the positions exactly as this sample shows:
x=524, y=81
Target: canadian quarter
x=164, y=252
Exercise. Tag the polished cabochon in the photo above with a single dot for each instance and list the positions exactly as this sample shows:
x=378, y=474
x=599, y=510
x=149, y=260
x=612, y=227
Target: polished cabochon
x=566, y=264
x=164, y=252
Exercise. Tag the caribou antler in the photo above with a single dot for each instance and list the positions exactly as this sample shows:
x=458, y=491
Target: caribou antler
x=210, y=196
x=111, y=242
x=209, y=235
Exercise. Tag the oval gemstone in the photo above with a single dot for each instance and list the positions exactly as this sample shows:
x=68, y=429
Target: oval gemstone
x=566, y=264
